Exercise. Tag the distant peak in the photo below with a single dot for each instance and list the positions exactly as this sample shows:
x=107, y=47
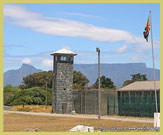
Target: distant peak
x=25, y=66
x=29, y=67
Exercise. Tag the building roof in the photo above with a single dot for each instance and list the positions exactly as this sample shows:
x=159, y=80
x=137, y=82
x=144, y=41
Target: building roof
x=64, y=51
x=141, y=85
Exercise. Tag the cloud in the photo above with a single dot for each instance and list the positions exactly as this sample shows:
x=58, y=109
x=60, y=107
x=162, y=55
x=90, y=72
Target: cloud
x=86, y=53
x=47, y=63
x=44, y=61
x=21, y=16
x=122, y=49
x=136, y=59
x=26, y=61
x=80, y=15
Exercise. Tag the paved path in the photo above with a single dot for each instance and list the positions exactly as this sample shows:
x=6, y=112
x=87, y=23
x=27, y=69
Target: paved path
x=141, y=120
x=7, y=108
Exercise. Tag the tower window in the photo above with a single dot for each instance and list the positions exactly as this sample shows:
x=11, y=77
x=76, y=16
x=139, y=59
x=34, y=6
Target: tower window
x=70, y=58
x=63, y=58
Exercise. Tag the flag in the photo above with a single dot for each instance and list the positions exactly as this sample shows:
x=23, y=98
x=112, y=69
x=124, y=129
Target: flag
x=146, y=30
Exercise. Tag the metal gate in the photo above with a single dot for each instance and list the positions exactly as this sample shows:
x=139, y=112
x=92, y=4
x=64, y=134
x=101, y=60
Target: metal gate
x=111, y=106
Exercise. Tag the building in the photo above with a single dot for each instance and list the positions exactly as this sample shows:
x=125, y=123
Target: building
x=135, y=99
x=138, y=99
x=63, y=80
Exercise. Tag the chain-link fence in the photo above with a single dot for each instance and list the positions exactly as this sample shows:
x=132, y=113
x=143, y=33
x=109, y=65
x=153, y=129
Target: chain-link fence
x=142, y=106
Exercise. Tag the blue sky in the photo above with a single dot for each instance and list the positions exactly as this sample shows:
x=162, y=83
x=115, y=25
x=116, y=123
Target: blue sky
x=33, y=31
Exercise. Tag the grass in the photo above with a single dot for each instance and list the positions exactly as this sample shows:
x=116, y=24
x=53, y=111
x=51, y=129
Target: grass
x=32, y=108
x=19, y=122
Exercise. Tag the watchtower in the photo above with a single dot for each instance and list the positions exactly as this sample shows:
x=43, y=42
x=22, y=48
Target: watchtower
x=63, y=80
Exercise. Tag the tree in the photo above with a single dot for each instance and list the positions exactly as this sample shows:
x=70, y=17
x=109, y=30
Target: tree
x=39, y=79
x=105, y=83
x=31, y=96
x=139, y=77
x=8, y=88
x=22, y=87
x=79, y=80
x=127, y=82
x=9, y=91
x=135, y=77
x=37, y=100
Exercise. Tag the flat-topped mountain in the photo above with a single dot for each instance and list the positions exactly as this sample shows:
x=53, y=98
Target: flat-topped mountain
x=117, y=72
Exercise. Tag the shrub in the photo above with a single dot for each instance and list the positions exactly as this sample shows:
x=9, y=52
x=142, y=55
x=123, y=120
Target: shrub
x=31, y=96
x=24, y=109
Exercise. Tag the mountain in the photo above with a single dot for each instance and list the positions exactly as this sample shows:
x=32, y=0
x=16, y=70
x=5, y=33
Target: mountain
x=15, y=77
x=117, y=72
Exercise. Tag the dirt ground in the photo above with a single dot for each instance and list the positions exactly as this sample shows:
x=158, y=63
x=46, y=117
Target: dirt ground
x=20, y=122
x=33, y=108
x=41, y=108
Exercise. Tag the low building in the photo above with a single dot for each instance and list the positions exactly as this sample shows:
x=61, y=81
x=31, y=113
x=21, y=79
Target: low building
x=138, y=99
x=135, y=99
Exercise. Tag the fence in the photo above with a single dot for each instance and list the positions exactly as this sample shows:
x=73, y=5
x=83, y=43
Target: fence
x=86, y=101
x=142, y=106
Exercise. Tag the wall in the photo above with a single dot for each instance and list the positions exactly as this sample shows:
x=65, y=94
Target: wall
x=86, y=102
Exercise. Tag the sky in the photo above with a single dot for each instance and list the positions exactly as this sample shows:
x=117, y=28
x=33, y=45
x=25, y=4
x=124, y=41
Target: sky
x=32, y=31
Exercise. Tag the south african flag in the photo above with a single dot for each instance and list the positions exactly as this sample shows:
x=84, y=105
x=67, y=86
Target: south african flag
x=146, y=30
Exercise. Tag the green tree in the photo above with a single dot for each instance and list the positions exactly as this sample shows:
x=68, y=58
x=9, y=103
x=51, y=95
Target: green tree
x=139, y=77
x=135, y=77
x=79, y=80
x=31, y=96
x=39, y=79
x=10, y=88
x=105, y=83
x=22, y=87
x=9, y=91
x=127, y=82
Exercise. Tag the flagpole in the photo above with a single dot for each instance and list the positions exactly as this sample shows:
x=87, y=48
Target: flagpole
x=154, y=74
